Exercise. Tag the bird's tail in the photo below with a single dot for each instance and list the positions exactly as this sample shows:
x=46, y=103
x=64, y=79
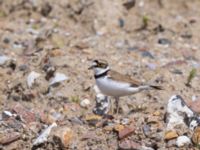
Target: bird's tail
x=156, y=87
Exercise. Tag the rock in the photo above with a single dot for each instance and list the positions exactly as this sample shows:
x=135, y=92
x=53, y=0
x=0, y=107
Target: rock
x=49, y=118
x=146, y=130
x=164, y=41
x=183, y=141
x=31, y=78
x=125, y=121
x=93, y=119
x=56, y=52
x=4, y=59
x=127, y=131
x=63, y=135
x=178, y=112
x=102, y=103
x=46, y=9
x=118, y=127
x=6, y=114
x=195, y=105
x=76, y=120
x=128, y=145
x=157, y=113
x=59, y=77
x=152, y=120
x=147, y=54
x=90, y=135
x=25, y=114
x=196, y=136
x=85, y=103
x=44, y=135
x=7, y=138
x=129, y=4
x=169, y=135
x=35, y=127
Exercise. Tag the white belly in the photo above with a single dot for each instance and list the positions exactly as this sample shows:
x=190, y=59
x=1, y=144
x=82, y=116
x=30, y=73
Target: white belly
x=112, y=88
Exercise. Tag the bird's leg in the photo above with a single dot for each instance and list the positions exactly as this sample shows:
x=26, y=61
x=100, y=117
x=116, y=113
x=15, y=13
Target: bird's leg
x=117, y=104
x=111, y=107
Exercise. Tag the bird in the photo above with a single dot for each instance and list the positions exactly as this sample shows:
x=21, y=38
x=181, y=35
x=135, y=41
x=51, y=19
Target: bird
x=114, y=84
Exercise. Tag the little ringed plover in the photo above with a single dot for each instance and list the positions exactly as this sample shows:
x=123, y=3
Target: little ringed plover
x=112, y=83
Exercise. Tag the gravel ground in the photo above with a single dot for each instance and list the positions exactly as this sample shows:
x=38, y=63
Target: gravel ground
x=155, y=41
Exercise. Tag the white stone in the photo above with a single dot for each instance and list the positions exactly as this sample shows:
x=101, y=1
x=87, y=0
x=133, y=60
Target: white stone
x=85, y=103
x=59, y=77
x=43, y=137
x=183, y=141
x=3, y=59
x=31, y=78
x=177, y=109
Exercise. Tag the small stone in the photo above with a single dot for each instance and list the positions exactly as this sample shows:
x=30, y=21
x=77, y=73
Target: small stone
x=44, y=135
x=63, y=135
x=93, y=119
x=125, y=121
x=129, y=4
x=4, y=59
x=152, y=119
x=23, y=67
x=25, y=114
x=147, y=54
x=183, y=141
x=118, y=127
x=56, y=52
x=196, y=136
x=146, y=130
x=109, y=128
x=126, y=132
x=164, y=41
x=85, y=103
x=128, y=145
x=6, y=114
x=46, y=9
x=31, y=78
x=90, y=135
x=59, y=77
x=76, y=120
x=195, y=105
x=169, y=135
x=157, y=113
x=6, y=138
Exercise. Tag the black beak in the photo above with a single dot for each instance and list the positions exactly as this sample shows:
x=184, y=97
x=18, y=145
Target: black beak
x=91, y=67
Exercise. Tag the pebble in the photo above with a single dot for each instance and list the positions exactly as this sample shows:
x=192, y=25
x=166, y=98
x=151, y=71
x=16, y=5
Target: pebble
x=147, y=54
x=4, y=59
x=127, y=131
x=7, y=138
x=196, y=136
x=169, y=135
x=195, y=105
x=44, y=135
x=164, y=41
x=146, y=130
x=64, y=135
x=56, y=52
x=31, y=78
x=25, y=114
x=85, y=103
x=93, y=119
x=59, y=77
x=118, y=127
x=183, y=141
x=129, y=144
x=129, y=4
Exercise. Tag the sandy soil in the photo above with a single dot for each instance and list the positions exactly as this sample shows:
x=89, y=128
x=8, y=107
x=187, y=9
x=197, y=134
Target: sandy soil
x=153, y=41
